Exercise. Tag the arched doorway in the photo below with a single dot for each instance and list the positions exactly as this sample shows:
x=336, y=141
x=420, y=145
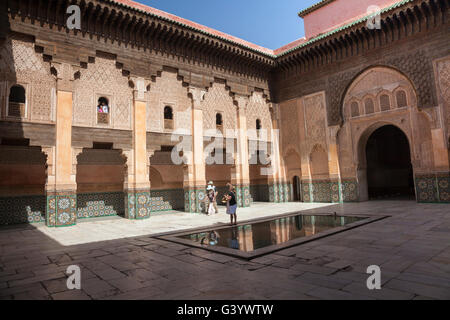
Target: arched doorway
x=389, y=168
x=296, y=189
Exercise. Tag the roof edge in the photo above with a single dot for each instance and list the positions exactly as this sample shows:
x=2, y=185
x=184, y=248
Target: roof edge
x=314, y=7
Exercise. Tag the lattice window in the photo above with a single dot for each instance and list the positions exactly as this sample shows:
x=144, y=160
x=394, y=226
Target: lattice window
x=385, y=102
x=354, y=109
x=168, y=118
x=103, y=111
x=219, y=122
x=17, y=102
x=369, y=106
x=401, y=99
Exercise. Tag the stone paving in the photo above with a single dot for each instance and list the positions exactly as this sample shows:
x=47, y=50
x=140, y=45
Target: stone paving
x=121, y=259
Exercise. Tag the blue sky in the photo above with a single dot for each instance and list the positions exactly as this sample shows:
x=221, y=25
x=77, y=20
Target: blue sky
x=269, y=23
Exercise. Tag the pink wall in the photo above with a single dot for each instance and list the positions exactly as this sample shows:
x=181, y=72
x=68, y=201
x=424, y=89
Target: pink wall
x=337, y=13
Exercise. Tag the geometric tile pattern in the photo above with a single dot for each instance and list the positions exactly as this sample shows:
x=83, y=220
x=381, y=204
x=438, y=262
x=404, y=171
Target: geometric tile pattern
x=259, y=192
x=280, y=192
x=349, y=190
x=138, y=205
x=26, y=209
x=330, y=191
x=61, y=210
x=433, y=188
x=194, y=199
x=426, y=188
x=93, y=205
x=164, y=200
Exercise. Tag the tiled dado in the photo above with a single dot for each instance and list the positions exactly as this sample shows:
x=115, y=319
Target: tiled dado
x=259, y=192
x=433, y=188
x=280, y=192
x=166, y=200
x=23, y=209
x=194, y=199
x=94, y=205
x=328, y=191
x=138, y=205
x=61, y=210
x=244, y=198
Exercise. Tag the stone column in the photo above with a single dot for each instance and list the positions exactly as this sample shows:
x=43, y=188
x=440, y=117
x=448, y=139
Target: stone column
x=242, y=176
x=195, y=171
x=61, y=187
x=137, y=181
x=277, y=183
x=333, y=164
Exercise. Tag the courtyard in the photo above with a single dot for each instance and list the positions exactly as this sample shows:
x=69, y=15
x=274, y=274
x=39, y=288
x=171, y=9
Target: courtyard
x=124, y=259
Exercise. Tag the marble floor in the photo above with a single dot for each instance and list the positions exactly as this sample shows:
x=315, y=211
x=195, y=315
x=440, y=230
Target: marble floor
x=122, y=259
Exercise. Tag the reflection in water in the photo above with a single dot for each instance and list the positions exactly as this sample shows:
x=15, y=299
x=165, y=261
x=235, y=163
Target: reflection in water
x=263, y=234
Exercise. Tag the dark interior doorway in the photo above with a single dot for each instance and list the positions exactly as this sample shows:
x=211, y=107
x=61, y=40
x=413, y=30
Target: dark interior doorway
x=297, y=189
x=389, y=168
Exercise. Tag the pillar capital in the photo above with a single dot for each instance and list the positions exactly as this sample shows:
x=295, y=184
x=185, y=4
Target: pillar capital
x=241, y=101
x=140, y=89
x=197, y=95
x=65, y=75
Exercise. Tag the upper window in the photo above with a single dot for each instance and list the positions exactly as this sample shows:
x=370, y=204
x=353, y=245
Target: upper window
x=258, y=124
x=385, y=102
x=355, y=109
x=401, y=99
x=219, y=122
x=168, y=118
x=17, y=102
x=368, y=103
x=103, y=111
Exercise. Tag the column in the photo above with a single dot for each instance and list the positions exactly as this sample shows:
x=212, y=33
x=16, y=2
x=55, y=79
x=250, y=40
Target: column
x=195, y=171
x=137, y=181
x=277, y=182
x=61, y=187
x=333, y=164
x=242, y=176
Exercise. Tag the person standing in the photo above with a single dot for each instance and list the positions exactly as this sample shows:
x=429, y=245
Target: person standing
x=231, y=203
x=211, y=185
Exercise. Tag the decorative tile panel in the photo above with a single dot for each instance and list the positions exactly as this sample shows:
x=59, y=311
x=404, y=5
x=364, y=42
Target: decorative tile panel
x=93, y=205
x=26, y=209
x=61, y=210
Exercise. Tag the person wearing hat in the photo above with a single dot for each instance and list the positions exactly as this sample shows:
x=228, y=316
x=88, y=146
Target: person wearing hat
x=212, y=187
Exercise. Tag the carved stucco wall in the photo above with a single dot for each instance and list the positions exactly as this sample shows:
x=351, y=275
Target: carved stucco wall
x=102, y=79
x=315, y=123
x=258, y=108
x=218, y=100
x=443, y=75
x=410, y=119
x=290, y=137
x=21, y=64
x=168, y=90
x=416, y=66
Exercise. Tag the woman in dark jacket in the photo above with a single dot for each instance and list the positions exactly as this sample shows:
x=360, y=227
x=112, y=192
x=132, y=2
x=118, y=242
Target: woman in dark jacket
x=231, y=203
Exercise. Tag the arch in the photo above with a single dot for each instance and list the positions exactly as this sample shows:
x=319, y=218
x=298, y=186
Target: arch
x=401, y=98
x=362, y=169
x=369, y=106
x=156, y=178
x=375, y=79
x=319, y=163
x=385, y=102
x=354, y=107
